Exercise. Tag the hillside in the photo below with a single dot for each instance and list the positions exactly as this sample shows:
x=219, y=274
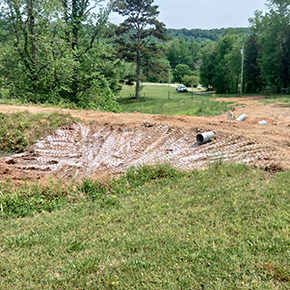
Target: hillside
x=201, y=35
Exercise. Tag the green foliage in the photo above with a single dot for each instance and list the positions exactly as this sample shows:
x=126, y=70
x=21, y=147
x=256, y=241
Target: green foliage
x=18, y=131
x=128, y=71
x=190, y=81
x=229, y=223
x=267, y=55
x=181, y=52
x=221, y=65
x=138, y=36
x=58, y=51
x=208, y=65
x=203, y=35
x=272, y=31
x=253, y=78
x=180, y=71
x=156, y=70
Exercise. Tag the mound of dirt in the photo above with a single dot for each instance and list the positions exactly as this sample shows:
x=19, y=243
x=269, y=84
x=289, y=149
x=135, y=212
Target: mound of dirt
x=82, y=150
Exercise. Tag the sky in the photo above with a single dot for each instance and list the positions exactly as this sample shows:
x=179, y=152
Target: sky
x=205, y=14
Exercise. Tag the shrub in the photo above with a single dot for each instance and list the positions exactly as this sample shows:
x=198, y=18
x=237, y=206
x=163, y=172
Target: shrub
x=190, y=81
x=180, y=71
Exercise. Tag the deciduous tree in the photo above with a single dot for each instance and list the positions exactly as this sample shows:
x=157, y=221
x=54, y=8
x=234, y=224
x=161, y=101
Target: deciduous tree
x=58, y=50
x=180, y=71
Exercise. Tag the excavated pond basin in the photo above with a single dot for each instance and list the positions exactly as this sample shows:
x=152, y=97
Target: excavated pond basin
x=83, y=150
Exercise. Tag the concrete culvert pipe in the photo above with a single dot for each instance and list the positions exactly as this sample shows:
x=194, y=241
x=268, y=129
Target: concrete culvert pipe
x=241, y=118
x=204, y=137
x=263, y=122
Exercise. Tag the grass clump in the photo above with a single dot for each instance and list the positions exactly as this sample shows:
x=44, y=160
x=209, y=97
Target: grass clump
x=18, y=131
x=155, y=100
x=139, y=176
x=28, y=200
x=224, y=227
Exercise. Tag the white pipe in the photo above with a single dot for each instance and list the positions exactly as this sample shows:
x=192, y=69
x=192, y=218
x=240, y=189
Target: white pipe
x=204, y=137
x=263, y=122
x=241, y=118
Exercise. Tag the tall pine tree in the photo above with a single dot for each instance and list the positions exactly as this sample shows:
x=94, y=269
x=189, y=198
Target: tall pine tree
x=137, y=34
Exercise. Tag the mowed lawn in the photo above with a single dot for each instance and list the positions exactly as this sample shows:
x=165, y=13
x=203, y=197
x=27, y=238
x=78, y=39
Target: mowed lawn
x=155, y=228
x=154, y=100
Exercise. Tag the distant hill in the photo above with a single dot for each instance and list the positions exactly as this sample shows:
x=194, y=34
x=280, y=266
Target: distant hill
x=200, y=35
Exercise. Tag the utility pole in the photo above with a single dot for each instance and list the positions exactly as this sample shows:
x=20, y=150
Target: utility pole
x=242, y=69
x=168, y=83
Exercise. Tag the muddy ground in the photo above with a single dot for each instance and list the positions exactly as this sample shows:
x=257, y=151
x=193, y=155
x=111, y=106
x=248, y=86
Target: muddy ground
x=114, y=142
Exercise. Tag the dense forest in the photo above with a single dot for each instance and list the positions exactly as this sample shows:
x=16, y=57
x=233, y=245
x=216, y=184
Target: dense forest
x=68, y=52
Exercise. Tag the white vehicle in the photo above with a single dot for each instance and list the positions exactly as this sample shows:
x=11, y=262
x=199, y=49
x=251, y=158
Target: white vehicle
x=182, y=89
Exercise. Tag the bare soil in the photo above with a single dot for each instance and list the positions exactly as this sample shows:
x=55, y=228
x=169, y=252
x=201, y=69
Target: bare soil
x=114, y=142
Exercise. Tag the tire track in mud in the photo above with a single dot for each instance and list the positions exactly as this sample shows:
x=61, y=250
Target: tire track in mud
x=81, y=150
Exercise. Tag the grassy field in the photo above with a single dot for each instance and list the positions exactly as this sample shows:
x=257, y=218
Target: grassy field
x=154, y=228
x=155, y=101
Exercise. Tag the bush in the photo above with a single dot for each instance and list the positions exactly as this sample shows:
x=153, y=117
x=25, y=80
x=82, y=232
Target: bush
x=190, y=81
x=180, y=71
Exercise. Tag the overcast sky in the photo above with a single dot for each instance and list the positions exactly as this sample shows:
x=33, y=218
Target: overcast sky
x=206, y=14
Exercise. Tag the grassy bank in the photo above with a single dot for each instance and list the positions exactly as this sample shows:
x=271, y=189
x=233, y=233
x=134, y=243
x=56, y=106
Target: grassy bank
x=18, y=131
x=155, y=101
x=277, y=98
x=154, y=228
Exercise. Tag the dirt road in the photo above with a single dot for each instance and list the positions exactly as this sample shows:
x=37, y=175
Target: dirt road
x=115, y=142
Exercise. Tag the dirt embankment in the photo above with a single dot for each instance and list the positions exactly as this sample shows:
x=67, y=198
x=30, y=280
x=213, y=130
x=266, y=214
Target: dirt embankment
x=117, y=141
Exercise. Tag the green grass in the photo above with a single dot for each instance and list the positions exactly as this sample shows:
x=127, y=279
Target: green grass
x=11, y=102
x=18, y=131
x=155, y=101
x=266, y=100
x=23, y=102
x=154, y=228
x=277, y=98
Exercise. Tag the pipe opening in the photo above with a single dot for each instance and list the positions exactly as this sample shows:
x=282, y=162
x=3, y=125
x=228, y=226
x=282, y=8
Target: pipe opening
x=199, y=138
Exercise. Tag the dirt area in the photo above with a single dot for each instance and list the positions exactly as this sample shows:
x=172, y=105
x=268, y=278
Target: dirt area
x=114, y=142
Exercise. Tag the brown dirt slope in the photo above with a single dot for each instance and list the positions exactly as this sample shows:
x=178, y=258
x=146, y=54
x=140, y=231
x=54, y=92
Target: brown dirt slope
x=115, y=142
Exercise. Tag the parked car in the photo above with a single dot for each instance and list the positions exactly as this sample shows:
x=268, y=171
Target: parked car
x=182, y=89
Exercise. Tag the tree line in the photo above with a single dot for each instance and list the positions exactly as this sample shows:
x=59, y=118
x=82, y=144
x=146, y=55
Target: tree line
x=266, y=50
x=67, y=51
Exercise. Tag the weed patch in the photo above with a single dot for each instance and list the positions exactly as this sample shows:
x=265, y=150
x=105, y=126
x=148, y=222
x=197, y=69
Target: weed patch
x=18, y=131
